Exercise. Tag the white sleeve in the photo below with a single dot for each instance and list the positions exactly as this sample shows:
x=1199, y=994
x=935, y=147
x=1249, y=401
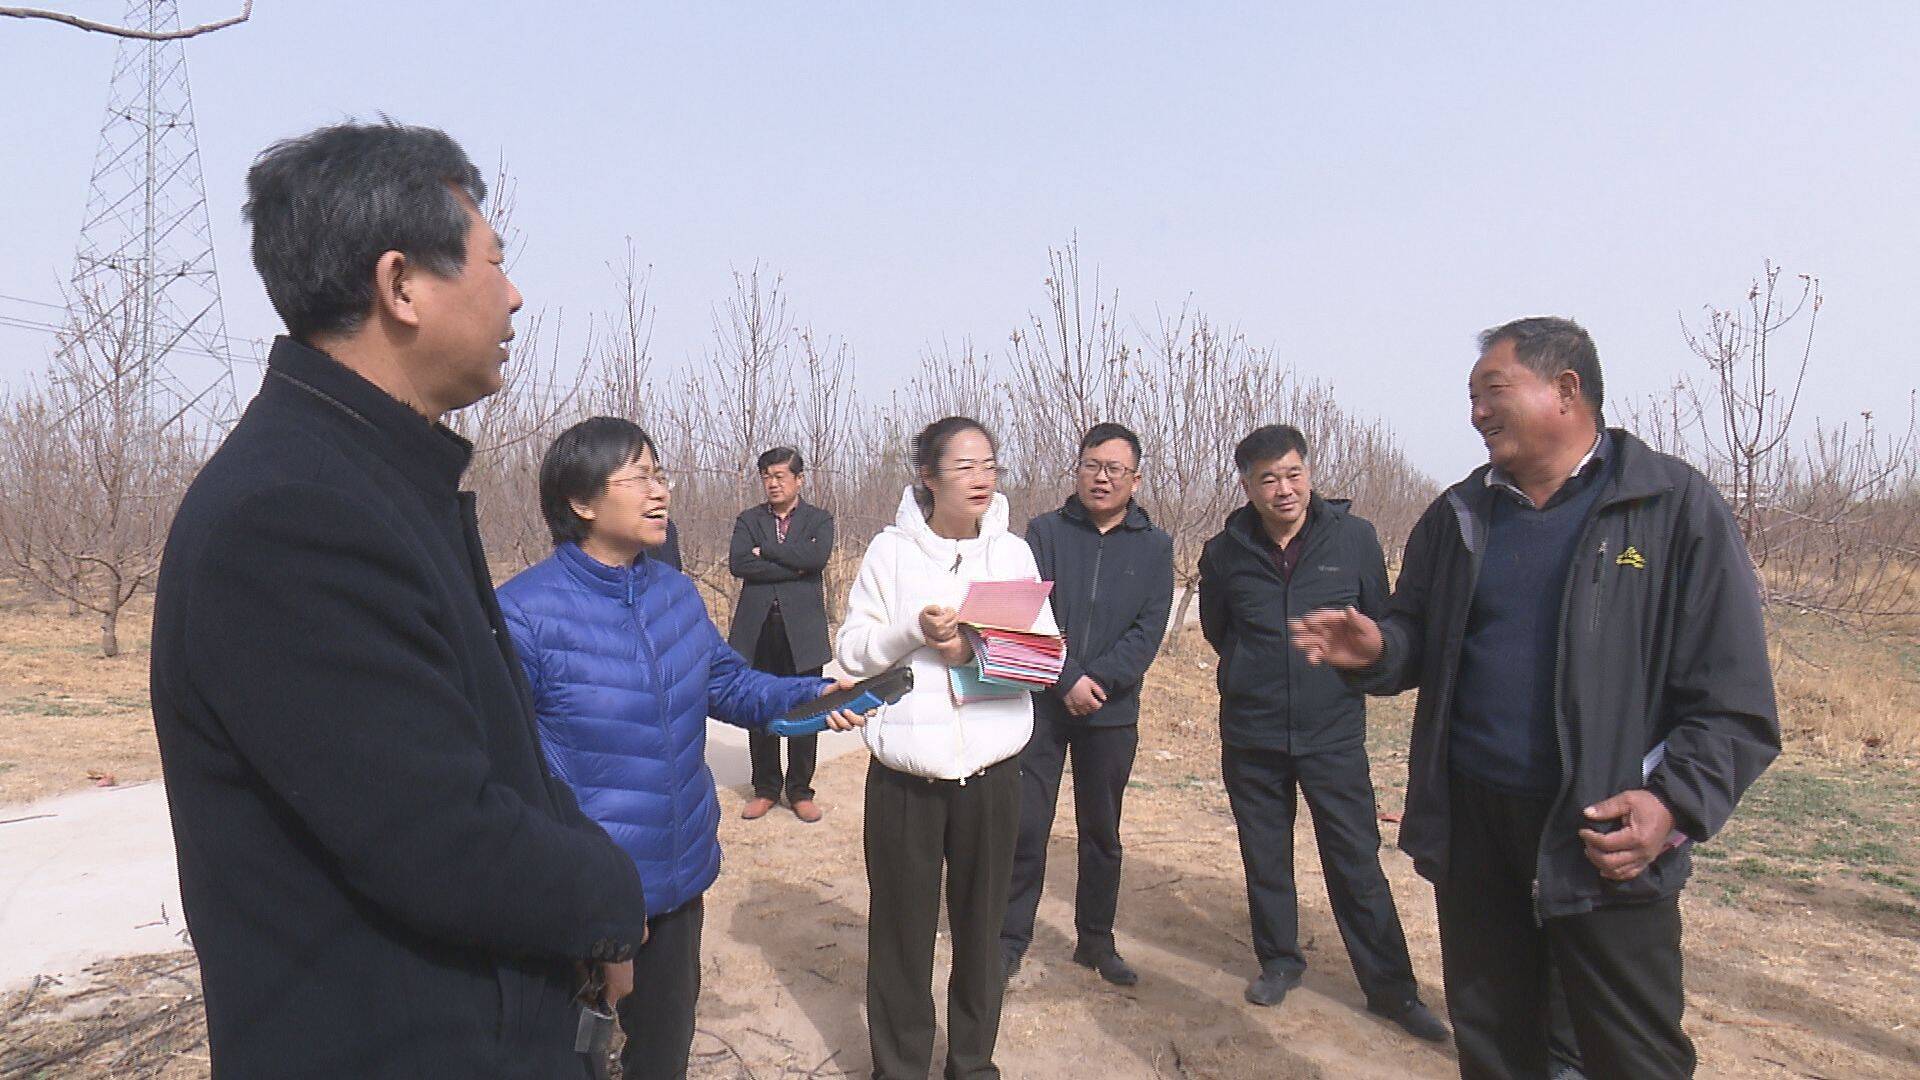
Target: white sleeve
x=870, y=640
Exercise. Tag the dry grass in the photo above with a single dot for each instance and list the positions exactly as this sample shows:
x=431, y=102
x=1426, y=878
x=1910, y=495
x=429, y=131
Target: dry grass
x=1849, y=694
x=67, y=716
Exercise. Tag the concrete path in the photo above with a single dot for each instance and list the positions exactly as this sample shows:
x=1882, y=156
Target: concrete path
x=91, y=875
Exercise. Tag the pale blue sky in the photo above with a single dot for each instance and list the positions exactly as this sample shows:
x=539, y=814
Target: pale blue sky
x=1363, y=189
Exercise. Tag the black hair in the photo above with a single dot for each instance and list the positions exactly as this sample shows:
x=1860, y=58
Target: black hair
x=577, y=465
x=1107, y=432
x=1266, y=444
x=931, y=445
x=782, y=455
x=326, y=205
x=1548, y=346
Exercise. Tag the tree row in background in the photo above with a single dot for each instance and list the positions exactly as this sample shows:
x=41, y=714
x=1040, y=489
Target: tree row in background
x=98, y=450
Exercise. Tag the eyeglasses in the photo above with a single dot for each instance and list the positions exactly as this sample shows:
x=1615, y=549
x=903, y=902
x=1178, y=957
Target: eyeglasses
x=659, y=478
x=970, y=469
x=1112, y=470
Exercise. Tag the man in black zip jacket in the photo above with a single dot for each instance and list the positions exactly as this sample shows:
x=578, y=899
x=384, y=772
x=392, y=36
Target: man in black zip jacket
x=1112, y=571
x=1286, y=725
x=1584, y=626
x=381, y=877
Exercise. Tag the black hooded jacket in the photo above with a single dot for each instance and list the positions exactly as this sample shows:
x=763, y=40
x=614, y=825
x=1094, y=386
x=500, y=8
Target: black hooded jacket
x=1270, y=697
x=1661, y=645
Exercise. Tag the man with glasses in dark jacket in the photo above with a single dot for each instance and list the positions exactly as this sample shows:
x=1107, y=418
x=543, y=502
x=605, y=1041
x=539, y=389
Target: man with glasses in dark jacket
x=1584, y=626
x=1287, y=727
x=1112, y=571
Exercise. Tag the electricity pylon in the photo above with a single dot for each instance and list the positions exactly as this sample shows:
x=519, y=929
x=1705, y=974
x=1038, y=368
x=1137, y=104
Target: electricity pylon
x=145, y=267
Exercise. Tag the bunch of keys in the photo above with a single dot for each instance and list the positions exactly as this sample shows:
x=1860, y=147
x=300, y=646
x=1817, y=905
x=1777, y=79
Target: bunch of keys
x=594, y=1037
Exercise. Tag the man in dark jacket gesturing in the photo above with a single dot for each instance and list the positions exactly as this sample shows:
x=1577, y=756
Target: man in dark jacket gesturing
x=779, y=552
x=1584, y=626
x=1286, y=725
x=1113, y=586
x=381, y=878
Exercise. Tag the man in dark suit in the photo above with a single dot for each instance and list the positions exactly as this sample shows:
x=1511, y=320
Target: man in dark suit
x=381, y=877
x=779, y=551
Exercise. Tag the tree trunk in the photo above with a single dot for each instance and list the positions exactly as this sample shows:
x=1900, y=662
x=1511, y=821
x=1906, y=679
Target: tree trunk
x=1180, y=614
x=110, y=634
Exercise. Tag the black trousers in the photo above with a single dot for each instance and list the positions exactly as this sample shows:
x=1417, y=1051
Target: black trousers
x=774, y=655
x=658, y=1016
x=1102, y=761
x=914, y=827
x=1261, y=786
x=1619, y=967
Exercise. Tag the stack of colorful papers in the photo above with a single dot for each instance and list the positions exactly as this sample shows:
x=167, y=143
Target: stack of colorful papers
x=1009, y=657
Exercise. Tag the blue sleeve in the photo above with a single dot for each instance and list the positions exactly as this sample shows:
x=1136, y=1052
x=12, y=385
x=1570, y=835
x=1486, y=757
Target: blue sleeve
x=743, y=697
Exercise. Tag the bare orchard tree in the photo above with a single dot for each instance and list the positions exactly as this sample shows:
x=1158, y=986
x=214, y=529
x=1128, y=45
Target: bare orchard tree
x=622, y=379
x=737, y=400
x=1071, y=368
x=1755, y=393
x=829, y=418
x=1828, y=518
x=96, y=457
x=1202, y=389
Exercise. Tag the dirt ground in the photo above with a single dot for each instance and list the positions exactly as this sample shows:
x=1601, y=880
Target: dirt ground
x=1803, y=932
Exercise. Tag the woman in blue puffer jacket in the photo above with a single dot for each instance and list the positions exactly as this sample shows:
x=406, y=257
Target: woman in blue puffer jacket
x=625, y=667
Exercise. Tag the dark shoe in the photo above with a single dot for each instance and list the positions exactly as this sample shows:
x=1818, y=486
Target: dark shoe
x=756, y=808
x=1009, y=966
x=1416, y=1020
x=1272, y=986
x=807, y=810
x=1108, y=963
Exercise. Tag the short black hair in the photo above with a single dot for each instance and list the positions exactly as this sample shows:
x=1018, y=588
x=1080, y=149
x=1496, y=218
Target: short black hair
x=930, y=445
x=1267, y=444
x=577, y=465
x=1107, y=432
x=1548, y=346
x=782, y=455
x=326, y=205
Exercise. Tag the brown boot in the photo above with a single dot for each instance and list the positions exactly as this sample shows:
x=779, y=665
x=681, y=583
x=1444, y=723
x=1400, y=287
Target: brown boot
x=756, y=808
x=808, y=811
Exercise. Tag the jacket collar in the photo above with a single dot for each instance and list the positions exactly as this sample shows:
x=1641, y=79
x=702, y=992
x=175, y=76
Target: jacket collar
x=1244, y=523
x=1135, y=519
x=911, y=523
x=427, y=453
x=617, y=582
x=1637, y=474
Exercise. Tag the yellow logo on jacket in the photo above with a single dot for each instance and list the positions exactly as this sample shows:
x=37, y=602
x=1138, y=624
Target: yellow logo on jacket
x=1632, y=557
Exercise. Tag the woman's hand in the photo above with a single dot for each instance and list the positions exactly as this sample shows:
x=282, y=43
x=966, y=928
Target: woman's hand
x=939, y=624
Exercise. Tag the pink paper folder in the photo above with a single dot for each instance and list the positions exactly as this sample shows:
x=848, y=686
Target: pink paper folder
x=1004, y=605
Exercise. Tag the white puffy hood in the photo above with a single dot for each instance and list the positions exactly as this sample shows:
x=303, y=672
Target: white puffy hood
x=906, y=568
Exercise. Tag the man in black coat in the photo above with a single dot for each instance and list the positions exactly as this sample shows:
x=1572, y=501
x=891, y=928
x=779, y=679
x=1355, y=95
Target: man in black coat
x=1286, y=726
x=380, y=876
x=779, y=552
x=1583, y=623
x=1113, y=587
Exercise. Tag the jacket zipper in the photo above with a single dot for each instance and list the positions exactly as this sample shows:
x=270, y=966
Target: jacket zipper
x=1563, y=732
x=959, y=726
x=1093, y=593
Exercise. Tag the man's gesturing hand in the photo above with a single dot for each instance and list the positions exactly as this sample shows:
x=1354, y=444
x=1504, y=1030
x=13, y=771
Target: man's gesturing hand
x=1645, y=824
x=1343, y=638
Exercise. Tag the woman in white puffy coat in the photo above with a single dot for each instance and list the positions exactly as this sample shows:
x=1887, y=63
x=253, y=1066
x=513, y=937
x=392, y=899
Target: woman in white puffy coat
x=943, y=788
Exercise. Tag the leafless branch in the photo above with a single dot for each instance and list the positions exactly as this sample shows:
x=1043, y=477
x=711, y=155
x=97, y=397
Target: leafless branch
x=78, y=23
